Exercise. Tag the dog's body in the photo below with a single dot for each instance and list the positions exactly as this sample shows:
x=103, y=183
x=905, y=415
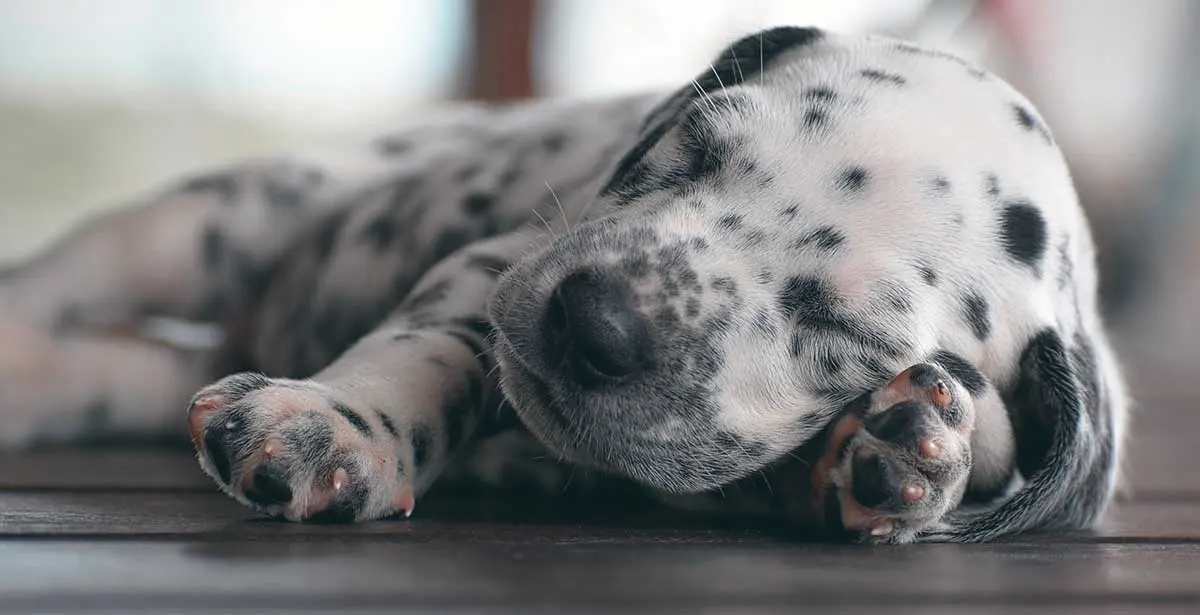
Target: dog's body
x=685, y=290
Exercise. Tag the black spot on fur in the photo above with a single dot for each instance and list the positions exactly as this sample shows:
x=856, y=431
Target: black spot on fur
x=356, y=420
x=971, y=378
x=812, y=304
x=394, y=146
x=991, y=185
x=815, y=118
x=222, y=185
x=636, y=265
x=509, y=177
x=477, y=203
x=724, y=285
x=422, y=443
x=853, y=179
x=928, y=275
x=820, y=93
x=555, y=142
x=282, y=195
x=831, y=364
x=388, y=425
x=692, y=307
x=706, y=153
x=754, y=237
x=428, y=297
x=879, y=76
x=731, y=222
x=899, y=298
x=790, y=211
x=975, y=312
x=940, y=185
x=825, y=238
x=380, y=232
x=212, y=248
x=1024, y=117
x=1028, y=121
x=1023, y=232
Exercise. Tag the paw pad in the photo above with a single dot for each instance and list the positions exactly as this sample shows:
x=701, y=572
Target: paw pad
x=912, y=493
x=900, y=463
x=286, y=448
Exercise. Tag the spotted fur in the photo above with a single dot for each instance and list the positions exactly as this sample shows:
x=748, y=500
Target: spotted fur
x=821, y=265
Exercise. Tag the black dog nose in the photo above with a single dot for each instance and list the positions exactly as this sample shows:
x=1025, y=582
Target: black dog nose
x=594, y=330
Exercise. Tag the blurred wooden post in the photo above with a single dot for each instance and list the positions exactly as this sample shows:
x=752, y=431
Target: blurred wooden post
x=501, y=60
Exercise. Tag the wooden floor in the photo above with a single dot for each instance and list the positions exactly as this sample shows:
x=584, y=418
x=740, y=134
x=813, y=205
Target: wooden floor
x=143, y=531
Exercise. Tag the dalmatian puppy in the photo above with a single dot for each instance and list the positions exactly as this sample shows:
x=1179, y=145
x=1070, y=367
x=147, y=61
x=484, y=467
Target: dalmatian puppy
x=849, y=266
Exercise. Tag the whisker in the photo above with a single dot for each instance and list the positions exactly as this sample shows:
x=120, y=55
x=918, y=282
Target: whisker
x=548, y=227
x=798, y=458
x=717, y=75
x=704, y=95
x=561, y=211
x=738, y=66
x=767, y=481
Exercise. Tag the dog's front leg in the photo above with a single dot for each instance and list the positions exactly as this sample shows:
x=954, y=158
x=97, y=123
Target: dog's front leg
x=364, y=437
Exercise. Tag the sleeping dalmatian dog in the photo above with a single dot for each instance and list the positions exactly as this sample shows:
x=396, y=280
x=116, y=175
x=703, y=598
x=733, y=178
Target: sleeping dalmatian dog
x=849, y=266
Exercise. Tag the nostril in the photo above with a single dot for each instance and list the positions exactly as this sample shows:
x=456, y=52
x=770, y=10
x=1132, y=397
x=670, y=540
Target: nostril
x=270, y=487
x=871, y=481
x=593, y=328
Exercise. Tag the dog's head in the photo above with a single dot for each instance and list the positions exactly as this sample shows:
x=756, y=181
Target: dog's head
x=693, y=330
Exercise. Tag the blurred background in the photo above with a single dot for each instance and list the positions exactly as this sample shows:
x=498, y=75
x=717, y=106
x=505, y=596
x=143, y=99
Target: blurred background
x=103, y=99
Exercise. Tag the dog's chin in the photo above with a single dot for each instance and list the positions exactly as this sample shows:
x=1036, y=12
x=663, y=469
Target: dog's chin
x=675, y=467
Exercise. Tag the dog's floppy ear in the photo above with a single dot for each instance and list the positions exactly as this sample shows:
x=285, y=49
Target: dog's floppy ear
x=739, y=63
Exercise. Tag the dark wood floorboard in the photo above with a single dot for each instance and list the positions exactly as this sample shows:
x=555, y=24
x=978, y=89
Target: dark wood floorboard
x=141, y=531
x=201, y=516
x=226, y=573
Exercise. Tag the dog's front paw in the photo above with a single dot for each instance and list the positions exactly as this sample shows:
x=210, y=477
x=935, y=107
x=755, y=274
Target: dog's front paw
x=293, y=449
x=895, y=466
